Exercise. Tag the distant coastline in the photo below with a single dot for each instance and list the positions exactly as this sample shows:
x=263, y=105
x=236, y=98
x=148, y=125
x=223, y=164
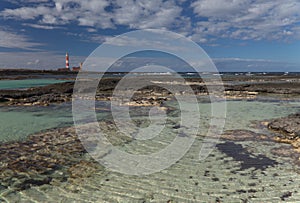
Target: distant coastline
x=22, y=74
x=14, y=71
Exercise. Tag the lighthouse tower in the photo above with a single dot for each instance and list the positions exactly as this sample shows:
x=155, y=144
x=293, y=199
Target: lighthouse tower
x=67, y=61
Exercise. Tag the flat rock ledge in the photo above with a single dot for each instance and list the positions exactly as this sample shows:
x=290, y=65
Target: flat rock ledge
x=154, y=94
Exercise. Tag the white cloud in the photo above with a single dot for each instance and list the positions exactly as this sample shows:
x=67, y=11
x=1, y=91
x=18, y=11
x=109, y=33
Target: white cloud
x=235, y=19
x=86, y=13
x=9, y=39
x=158, y=40
x=134, y=14
x=146, y=14
x=91, y=30
x=35, y=62
x=242, y=19
x=45, y=27
x=26, y=13
x=219, y=8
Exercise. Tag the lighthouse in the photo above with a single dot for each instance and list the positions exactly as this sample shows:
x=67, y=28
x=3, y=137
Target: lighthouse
x=67, y=61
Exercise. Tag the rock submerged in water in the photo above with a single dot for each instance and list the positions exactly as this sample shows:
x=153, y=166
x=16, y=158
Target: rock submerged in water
x=287, y=151
x=243, y=135
x=83, y=169
x=33, y=161
x=246, y=158
x=49, y=157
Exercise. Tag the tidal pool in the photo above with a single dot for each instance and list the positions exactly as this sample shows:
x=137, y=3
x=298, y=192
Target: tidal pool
x=235, y=171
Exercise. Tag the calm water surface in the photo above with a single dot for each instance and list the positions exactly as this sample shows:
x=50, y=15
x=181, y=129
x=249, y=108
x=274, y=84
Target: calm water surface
x=23, y=84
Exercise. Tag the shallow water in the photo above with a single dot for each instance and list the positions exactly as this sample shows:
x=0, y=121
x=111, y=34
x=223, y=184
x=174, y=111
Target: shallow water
x=18, y=122
x=23, y=84
x=236, y=171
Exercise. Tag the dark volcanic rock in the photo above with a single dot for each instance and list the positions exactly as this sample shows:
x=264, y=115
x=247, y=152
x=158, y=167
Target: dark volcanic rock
x=2, y=99
x=285, y=87
x=289, y=127
x=54, y=93
x=286, y=195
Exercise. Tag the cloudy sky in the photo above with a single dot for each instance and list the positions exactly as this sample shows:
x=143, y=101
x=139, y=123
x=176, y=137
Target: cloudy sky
x=240, y=35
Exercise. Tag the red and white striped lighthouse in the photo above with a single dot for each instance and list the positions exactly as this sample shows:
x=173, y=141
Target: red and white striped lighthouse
x=67, y=61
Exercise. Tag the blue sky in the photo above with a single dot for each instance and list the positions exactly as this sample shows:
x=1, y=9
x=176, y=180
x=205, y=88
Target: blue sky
x=240, y=35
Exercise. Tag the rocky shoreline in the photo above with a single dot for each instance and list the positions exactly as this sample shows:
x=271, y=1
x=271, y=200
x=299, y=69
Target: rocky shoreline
x=57, y=156
x=55, y=93
x=155, y=94
x=62, y=92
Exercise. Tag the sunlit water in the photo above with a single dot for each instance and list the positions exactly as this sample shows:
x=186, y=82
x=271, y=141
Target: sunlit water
x=219, y=178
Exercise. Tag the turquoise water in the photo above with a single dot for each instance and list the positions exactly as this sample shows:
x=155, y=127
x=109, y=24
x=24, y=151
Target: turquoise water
x=18, y=122
x=23, y=84
x=219, y=178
